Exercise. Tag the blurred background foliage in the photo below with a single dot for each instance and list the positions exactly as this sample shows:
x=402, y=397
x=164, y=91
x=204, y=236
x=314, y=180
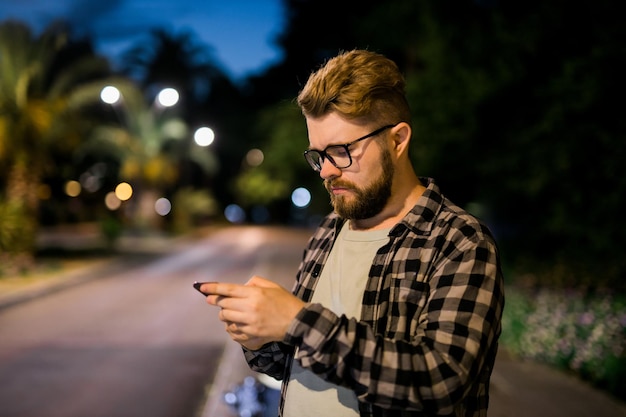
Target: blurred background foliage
x=516, y=107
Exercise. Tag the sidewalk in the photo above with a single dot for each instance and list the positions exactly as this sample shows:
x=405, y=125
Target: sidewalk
x=59, y=273
x=518, y=388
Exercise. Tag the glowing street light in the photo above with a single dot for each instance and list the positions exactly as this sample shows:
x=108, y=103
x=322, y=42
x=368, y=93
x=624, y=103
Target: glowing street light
x=204, y=136
x=123, y=191
x=110, y=95
x=168, y=97
x=72, y=188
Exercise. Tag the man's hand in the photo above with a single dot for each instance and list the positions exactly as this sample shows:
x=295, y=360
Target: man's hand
x=256, y=313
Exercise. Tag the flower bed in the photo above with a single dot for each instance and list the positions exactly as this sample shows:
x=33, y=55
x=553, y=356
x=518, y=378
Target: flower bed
x=575, y=331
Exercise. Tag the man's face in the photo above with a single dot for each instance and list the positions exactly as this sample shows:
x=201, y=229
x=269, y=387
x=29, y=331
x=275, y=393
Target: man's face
x=366, y=200
x=362, y=190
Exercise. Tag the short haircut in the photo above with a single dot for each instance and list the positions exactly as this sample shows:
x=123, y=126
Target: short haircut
x=358, y=85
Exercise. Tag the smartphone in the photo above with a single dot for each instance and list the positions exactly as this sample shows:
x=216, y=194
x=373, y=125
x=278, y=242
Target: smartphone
x=197, y=285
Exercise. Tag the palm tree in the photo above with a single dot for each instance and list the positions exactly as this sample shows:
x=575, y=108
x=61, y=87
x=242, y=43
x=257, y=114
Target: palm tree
x=208, y=97
x=175, y=60
x=44, y=82
x=150, y=143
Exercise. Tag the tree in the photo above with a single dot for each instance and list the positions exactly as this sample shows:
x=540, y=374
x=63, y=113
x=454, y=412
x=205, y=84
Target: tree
x=174, y=60
x=519, y=101
x=208, y=97
x=514, y=108
x=283, y=167
x=44, y=81
x=149, y=142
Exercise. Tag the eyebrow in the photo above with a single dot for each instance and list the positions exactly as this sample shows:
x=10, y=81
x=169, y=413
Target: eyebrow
x=328, y=146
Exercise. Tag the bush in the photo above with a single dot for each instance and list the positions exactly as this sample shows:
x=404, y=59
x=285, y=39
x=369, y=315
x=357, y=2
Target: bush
x=191, y=207
x=573, y=330
x=111, y=229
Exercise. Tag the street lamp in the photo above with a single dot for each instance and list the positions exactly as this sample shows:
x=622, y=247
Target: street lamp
x=167, y=97
x=204, y=136
x=110, y=94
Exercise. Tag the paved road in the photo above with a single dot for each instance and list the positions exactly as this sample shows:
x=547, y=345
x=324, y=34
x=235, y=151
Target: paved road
x=142, y=342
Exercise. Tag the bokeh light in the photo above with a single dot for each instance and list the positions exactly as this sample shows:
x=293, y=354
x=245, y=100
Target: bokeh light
x=255, y=157
x=204, y=136
x=111, y=201
x=124, y=191
x=234, y=213
x=162, y=206
x=168, y=97
x=73, y=188
x=301, y=197
x=90, y=182
x=110, y=94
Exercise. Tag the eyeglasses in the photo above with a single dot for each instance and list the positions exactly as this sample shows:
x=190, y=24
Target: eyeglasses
x=338, y=155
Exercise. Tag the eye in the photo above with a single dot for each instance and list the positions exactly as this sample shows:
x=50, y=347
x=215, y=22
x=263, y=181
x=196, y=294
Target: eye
x=337, y=151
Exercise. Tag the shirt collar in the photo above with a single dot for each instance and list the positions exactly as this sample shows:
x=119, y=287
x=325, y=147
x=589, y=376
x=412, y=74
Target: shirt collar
x=420, y=218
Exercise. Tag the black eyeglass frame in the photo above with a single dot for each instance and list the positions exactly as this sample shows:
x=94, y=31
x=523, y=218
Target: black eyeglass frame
x=323, y=155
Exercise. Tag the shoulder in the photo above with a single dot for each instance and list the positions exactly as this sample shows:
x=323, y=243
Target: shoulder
x=435, y=216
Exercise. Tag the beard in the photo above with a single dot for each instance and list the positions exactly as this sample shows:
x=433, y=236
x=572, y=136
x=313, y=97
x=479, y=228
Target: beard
x=368, y=201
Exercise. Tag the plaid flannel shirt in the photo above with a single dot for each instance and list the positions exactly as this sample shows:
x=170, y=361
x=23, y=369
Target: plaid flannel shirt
x=426, y=341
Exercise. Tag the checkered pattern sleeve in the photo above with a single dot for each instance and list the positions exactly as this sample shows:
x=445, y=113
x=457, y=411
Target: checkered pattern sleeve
x=270, y=359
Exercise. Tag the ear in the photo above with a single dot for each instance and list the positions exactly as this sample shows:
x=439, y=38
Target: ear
x=401, y=136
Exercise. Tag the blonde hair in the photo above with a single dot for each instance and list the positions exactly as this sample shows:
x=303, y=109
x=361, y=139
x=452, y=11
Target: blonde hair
x=357, y=84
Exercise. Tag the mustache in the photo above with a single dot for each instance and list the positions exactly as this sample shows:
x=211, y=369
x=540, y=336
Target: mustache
x=335, y=183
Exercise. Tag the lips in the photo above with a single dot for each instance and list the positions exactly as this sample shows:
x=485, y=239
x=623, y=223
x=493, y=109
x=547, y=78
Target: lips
x=338, y=188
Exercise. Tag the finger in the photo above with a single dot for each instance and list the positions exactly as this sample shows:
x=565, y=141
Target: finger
x=216, y=300
x=233, y=316
x=235, y=332
x=225, y=289
x=230, y=316
x=257, y=281
x=233, y=328
x=228, y=303
x=209, y=288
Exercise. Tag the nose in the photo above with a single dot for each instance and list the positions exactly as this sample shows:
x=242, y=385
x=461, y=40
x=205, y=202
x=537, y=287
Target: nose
x=329, y=170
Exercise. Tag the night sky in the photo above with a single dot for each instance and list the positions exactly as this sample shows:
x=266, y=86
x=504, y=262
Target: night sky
x=239, y=32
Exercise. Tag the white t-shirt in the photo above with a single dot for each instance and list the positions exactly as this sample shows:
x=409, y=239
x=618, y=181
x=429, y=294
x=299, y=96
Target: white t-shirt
x=339, y=288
